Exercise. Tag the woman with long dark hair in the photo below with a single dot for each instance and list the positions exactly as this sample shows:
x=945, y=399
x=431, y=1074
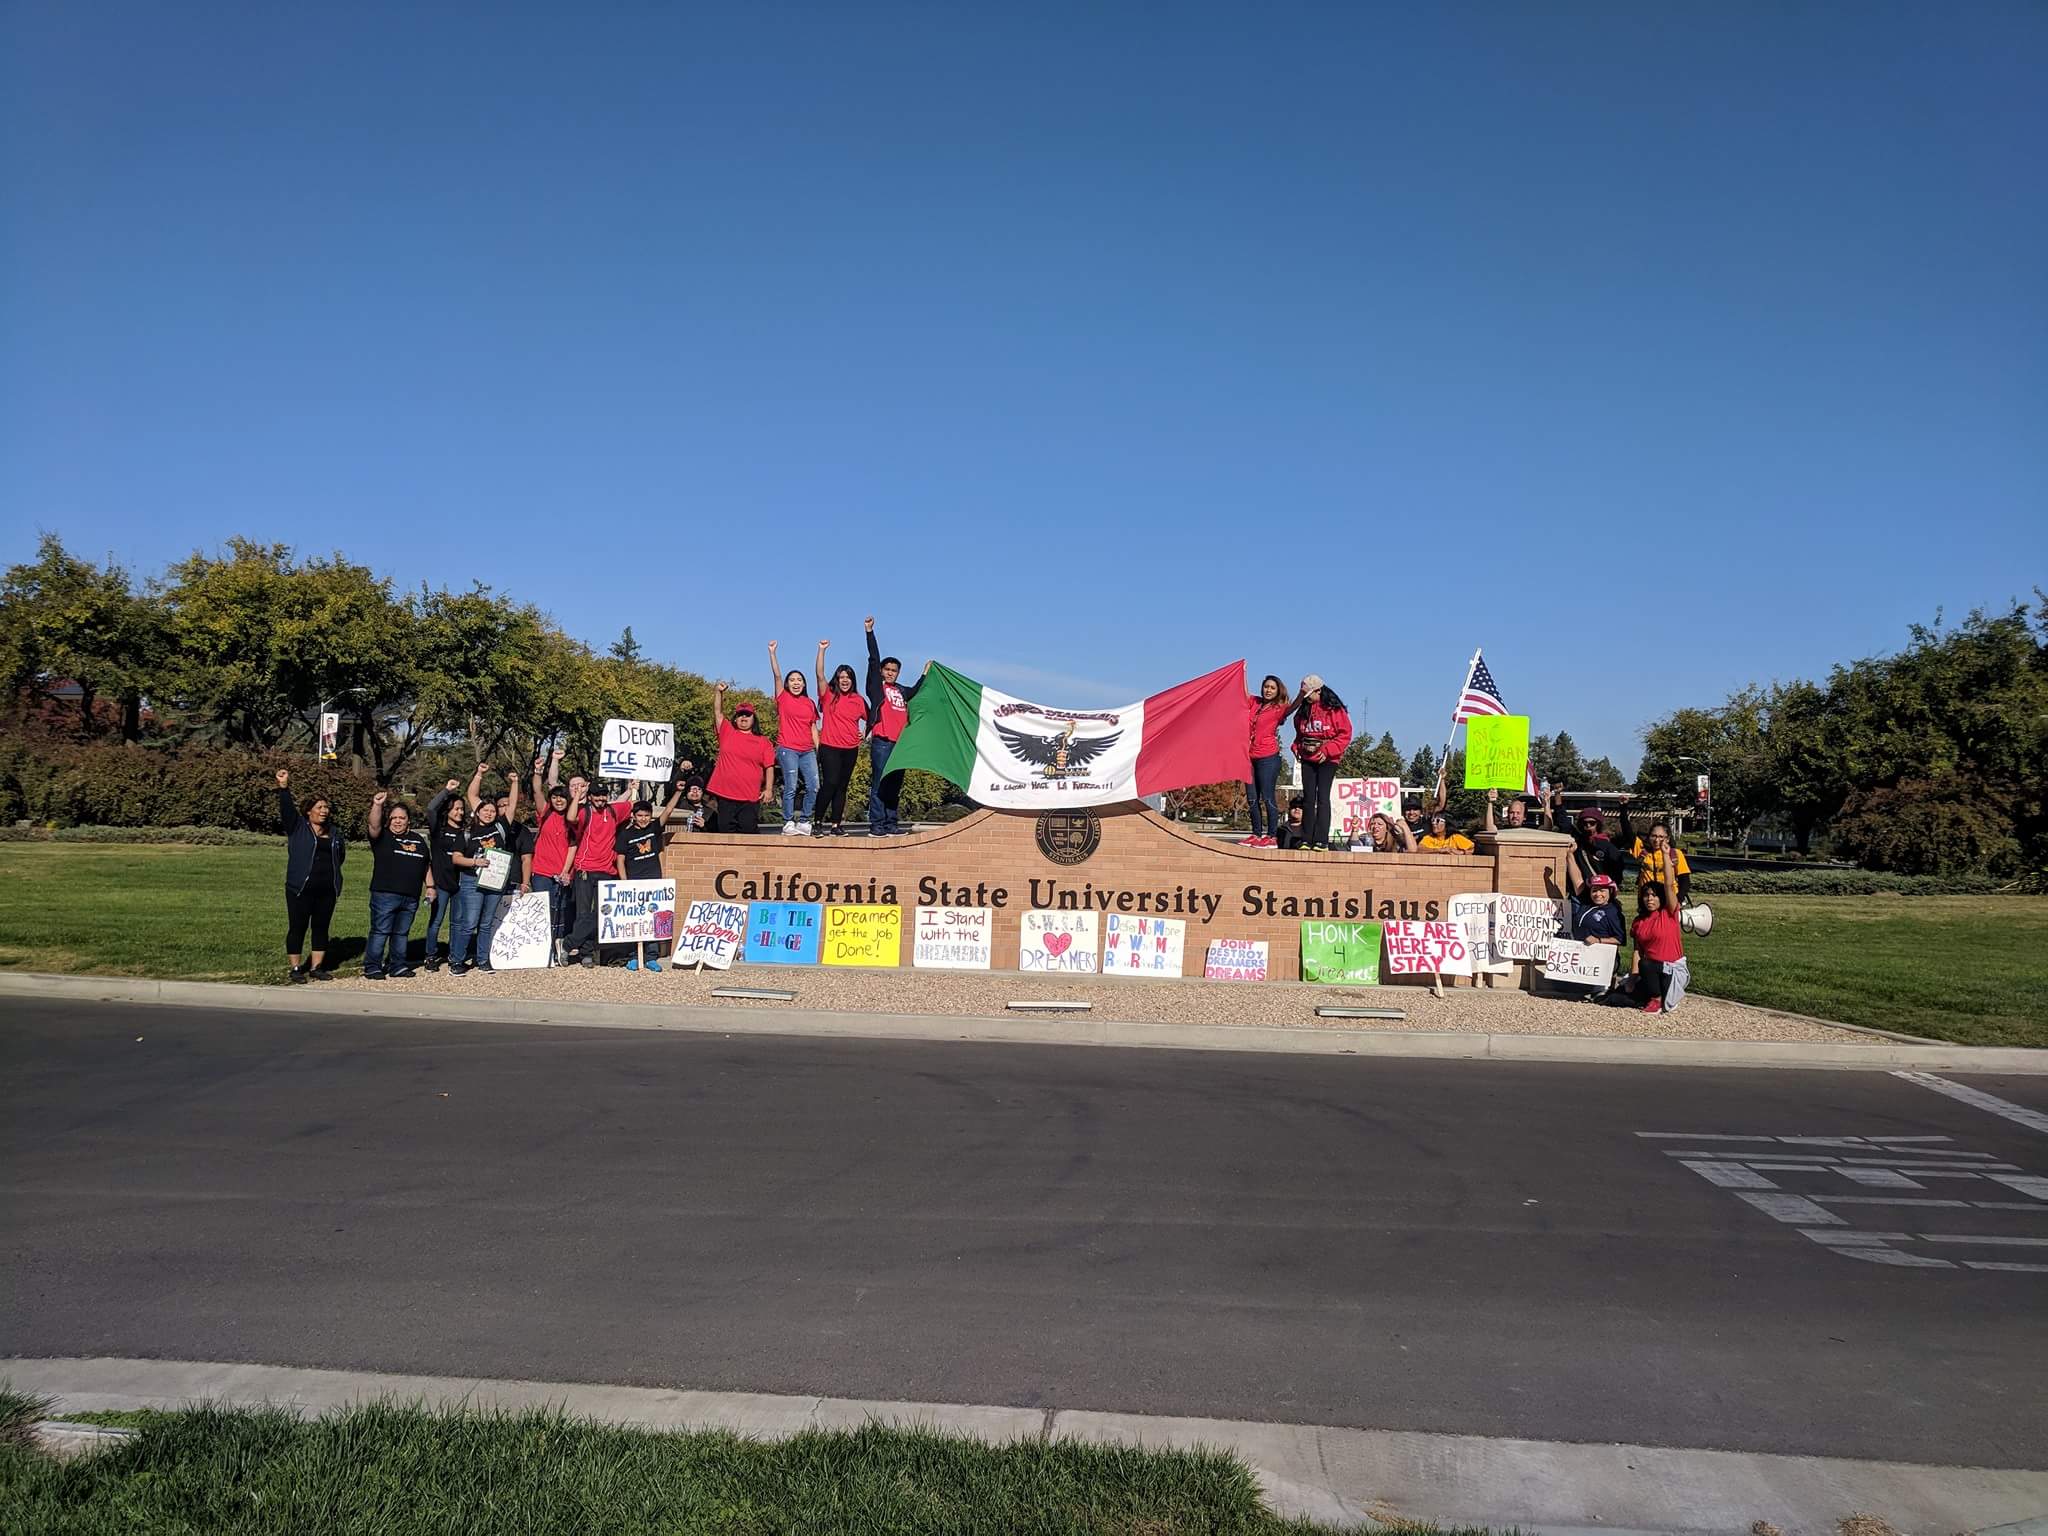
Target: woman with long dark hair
x=1659, y=973
x=314, y=849
x=844, y=711
x=1268, y=709
x=1322, y=730
x=796, y=743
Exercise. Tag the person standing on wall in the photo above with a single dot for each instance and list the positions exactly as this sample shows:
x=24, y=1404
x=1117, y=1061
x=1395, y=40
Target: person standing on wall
x=596, y=829
x=548, y=861
x=796, y=744
x=313, y=851
x=889, y=711
x=401, y=866
x=845, y=718
x=1267, y=711
x=739, y=777
x=1322, y=730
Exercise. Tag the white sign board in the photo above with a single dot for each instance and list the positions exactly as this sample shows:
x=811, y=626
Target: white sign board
x=1589, y=964
x=1524, y=924
x=1058, y=943
x=1143, y=946
x=525, y=937
x=711, y=934
x=1354, y=801
x=330, y=738
x=496, y=872
x=1426, y=949
x=636, y=749
x=1235, y=960
x=953, y=939
x=1479, y=915
x=635, y=911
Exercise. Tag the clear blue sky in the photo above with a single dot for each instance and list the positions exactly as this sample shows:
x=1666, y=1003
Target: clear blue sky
x=1088, y=346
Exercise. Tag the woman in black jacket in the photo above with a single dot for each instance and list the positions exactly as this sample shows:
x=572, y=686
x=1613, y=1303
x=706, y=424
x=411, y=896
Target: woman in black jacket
x=312, y=876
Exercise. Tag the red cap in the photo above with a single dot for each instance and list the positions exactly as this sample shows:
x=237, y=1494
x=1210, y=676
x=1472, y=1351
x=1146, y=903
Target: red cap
x=1603, y=882
x=743, y=708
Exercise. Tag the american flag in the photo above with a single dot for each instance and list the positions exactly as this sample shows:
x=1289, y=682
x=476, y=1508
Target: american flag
x=1481, y=695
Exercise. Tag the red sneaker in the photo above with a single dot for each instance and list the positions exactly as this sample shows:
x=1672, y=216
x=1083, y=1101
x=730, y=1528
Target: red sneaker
x=1251, y=842
x=1654, y=1005
x=1269, y=842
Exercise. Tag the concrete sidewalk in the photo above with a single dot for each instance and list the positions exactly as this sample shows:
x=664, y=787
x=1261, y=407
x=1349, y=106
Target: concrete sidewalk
x=1340, y=1475
x=1866, y=1054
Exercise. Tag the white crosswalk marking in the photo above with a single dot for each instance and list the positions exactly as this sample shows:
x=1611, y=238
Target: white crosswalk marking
x=1990, y=1103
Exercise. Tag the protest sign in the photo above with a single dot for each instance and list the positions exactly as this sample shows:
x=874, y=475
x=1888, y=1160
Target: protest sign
x=711, y=933
x=1524, y=924
x=1143, y=946
x=784, y=932
x=1341, y=952
x=1497, y=752
x=1588, y=964
x=635, y=911
x=1354, y=802
x=953, y=938
x=525, y=937
x=636, y=749
x=1479, y=914
x=862, y=936
x=1058, y=943
x=496, y=871
x=1235, y=960
x=330, y=738
x=1427, y=949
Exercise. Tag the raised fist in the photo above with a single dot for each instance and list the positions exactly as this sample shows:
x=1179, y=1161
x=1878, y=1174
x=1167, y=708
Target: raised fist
x=284, y=777
x=379, y=798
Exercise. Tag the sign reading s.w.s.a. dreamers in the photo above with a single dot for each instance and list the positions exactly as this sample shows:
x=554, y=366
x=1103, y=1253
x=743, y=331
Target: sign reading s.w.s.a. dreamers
x=636, y=749
x=1059, y=943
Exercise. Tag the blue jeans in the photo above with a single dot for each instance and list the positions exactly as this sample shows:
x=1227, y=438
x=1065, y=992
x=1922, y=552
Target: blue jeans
x=1260, y=792
x=487, y=927
x=881, y=806
x=797, y=766
x=390, y=922
x=469, y=915
x=443, y=906
x=558, y=892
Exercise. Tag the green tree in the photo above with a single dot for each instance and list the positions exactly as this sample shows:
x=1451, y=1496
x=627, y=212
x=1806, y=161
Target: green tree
x=1381, y=761
x=66, y=618
x=625, y=648
x=1422, y=767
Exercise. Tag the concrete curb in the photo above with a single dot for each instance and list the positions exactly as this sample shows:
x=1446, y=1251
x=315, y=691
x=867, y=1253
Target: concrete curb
x=1323, y=1472
x=1618, y=1050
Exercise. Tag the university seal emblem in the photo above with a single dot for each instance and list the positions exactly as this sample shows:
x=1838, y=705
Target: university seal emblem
x=1068, y=837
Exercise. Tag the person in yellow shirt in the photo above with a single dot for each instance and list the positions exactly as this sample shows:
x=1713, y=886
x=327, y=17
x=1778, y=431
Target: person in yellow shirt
x=1441, y=839
x=1650, y=856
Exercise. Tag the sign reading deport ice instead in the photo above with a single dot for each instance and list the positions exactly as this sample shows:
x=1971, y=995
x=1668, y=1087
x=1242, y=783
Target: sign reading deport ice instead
x=636, y=749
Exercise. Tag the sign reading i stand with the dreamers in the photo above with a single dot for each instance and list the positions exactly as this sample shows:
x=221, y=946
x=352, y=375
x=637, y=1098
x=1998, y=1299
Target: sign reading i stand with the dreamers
x=1497, y=752
x=954, y=938
x=635, y=911
x=711, y=933
x=862, y=936
x=784, y=932
x=636, y=749
x=1144, y=946
x=1341, y=952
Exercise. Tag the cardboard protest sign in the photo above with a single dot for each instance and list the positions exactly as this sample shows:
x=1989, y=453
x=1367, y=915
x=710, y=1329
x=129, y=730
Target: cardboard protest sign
x=1524, y=924
x=1341, y=952
x=1589, y=964
x=784, y=932
x=496, y=873
x=1058, y=943
x=1143, y=946
x=1353, y=803
x=953, y=938
x=711, y=933
x=525, y=936
x=1427, y=949
x=1479, y=914
x=636, y=749
x=1497, y=752
x=1235, y=960
x=862, y=935
x=635, y=911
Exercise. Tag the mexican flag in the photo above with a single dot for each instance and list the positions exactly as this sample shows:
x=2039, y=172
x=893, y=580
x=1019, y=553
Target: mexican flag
x=1012, y=754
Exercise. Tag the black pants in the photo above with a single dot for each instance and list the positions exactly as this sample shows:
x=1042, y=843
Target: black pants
x=304, y=908
x=583, y=929
x=1316, y=779
x=738, y=816
x=1653, y=980
x=835, y=772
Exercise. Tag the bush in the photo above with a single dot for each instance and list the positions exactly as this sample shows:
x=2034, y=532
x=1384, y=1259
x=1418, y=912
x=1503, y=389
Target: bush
x=198, y=837
x=1930, y=827
x=1840, y=882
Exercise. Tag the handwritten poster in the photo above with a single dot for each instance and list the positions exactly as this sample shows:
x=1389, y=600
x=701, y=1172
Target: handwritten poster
x=635, y=911
x=1354, y=802
x=1235, y=960
x=1143, y=946
x=1058, y=943
x=861, y=935
x=636, y=749
x=711, y=934
x=1341, y=952
x=784, y=932
x=1427, y=949
x=525, y=938
x=1478, y=913
x=1523, y=925
x=1497, y=752
x=1589, y=964
x=953, y=938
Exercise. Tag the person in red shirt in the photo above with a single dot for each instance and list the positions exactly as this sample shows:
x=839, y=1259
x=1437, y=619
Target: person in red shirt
x=1322, y=730
x=1658, y=972
x=845, y=714
x=739, y=776
x=595, y=827
x=1267, y=711
x=888, y=712
x=796, y=743
x=549, y=867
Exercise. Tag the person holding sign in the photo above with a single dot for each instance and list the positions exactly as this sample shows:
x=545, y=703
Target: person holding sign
x=796, y=744
x=1658, y=974
x=314, y=849
x=845, y=714
x=1267, y=711
x=637, y=846
x=595, y=828
x=1322, y=730
x=401, y=868
x=739, y=777
x=483, y=867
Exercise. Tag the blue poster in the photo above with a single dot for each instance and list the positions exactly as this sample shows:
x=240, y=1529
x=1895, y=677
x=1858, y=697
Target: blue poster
x=784, y=932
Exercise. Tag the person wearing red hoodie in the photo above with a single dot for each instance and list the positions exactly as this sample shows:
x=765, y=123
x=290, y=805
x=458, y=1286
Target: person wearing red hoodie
x=1267, y=711
x=1322, y=730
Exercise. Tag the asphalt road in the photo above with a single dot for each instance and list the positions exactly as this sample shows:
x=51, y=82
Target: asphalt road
x=1485, y=1248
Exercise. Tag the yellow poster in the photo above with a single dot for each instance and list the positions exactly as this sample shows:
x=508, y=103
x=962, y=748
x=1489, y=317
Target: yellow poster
x=862, y=936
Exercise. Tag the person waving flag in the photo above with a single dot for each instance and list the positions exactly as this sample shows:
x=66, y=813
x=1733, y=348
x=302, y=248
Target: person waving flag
x=1479, y=696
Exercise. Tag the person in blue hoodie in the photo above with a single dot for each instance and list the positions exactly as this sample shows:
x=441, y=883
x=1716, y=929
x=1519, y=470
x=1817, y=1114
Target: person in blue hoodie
x=314, y=849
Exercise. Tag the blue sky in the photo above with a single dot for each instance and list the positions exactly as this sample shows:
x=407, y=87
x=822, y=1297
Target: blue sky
x=1655, y=348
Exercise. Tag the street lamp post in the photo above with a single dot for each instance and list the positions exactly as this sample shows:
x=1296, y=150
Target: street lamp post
x=1708, y=762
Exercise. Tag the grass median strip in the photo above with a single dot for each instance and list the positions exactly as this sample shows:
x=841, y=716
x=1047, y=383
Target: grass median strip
x=395, y=1470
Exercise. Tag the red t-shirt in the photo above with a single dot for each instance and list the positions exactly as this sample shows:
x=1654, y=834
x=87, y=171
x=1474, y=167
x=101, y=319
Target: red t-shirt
x=595, y=834
x=1658, y=936
x=845, y=714
x=1266, y=720
x=795, y=714
x=743, y=758
x=895, y=713
x=551, y=844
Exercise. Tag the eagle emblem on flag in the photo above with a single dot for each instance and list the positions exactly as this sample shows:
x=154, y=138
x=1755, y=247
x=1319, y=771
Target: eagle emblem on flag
x=1058, y=756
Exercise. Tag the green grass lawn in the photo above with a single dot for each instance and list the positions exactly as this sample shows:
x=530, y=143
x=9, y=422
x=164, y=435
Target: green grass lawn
x=395, y=1471
x=1963, y=968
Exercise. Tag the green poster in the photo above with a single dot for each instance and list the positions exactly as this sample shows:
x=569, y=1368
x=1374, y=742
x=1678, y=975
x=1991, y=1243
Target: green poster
x=1497, y=752
x=1341, y=952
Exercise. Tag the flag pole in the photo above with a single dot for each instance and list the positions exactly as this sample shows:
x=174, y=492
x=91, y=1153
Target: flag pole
x=1443, y=767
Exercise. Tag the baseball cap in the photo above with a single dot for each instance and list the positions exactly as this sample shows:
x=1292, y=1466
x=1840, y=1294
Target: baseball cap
x=742, y=708
x=1603, y=882
x=1311, y=683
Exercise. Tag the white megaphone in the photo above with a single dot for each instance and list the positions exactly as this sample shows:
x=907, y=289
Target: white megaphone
x=1697, y=919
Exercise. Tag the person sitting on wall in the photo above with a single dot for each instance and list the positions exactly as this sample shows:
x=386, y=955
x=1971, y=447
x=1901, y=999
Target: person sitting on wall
x=1294, y=831
x=1383, y=834
x=1441, y=839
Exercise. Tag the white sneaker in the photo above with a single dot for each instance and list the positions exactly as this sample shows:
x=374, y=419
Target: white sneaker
x=792, y=829
x=804, y=829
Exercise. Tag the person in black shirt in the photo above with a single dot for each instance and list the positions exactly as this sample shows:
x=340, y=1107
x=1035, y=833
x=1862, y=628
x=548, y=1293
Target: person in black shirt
x=314, y=850
x=1294, y=830
x=445, y=819
x=402, y=869
x=638, y=844
x=481, y=878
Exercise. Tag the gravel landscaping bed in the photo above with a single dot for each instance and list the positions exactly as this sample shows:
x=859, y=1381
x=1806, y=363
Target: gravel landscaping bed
x=1498, y=1010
